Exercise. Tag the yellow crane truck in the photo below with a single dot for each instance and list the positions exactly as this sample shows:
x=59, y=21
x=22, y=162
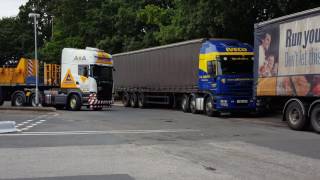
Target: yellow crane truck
x=84, y=78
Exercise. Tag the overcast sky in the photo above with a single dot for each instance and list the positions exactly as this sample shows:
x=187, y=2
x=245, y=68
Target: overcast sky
x=10, y=7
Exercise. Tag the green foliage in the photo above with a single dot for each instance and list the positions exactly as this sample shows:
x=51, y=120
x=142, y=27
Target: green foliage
x=123, y=25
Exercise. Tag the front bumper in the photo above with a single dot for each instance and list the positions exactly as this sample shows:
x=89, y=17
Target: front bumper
x=95, y=102
x=235, y=103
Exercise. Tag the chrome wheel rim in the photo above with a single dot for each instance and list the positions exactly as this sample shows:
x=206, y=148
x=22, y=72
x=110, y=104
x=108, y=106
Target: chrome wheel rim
x=208, y=106
x=294, y=116
x=19, y=101
x=73, y=103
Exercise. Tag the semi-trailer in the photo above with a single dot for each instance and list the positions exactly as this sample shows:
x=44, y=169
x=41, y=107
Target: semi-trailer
x=84, y=78
x=210, y=75
x=287, y=67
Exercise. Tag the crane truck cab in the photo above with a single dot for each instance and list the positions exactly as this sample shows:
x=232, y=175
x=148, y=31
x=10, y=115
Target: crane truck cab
x=86, y=79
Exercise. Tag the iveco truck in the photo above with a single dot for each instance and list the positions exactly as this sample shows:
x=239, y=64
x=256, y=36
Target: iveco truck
x=202, y=75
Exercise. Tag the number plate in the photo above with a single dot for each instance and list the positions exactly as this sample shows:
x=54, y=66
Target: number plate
x=242, y=101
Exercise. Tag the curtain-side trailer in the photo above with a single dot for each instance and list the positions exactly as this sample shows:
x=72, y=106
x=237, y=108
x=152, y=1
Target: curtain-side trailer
x=287, y=67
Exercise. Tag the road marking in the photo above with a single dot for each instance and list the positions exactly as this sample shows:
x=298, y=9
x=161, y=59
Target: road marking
x=101, y=132
x=27, y=127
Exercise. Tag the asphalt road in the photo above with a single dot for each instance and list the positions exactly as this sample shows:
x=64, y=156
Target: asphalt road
x=126, y=143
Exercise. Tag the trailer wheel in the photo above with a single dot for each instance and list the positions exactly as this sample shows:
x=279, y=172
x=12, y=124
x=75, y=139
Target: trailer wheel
x=193, y=104
x=126, y=99
x=295, y=117
x=74, y=103
x=1, y=102
x=185, y=105
x=134, y=100
x=315, y=118
x=141, y=101
x=19, y=99
x=208, y=107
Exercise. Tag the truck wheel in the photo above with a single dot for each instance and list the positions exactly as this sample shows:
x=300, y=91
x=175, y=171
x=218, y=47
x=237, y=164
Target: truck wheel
x=74, y=103
x=134, y=100
x=185, y=105
x=1, y=102
x=126, y=99
x=18, y=99
x=315, y=118
x=141, y=101
x=295, y=117
x=33, y=100
x=208, y=107
x=193, y=103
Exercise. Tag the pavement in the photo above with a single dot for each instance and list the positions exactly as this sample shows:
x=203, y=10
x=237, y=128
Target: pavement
x=128, y=143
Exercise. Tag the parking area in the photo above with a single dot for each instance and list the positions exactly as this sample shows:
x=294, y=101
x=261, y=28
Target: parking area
x=154, y=143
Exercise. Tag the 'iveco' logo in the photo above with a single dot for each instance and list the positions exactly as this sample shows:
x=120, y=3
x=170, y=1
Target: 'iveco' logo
x=236, y=49
x=80, y=58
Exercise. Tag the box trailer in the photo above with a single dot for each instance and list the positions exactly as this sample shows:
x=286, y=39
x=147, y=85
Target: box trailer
x=287, y=67
x=210, y=75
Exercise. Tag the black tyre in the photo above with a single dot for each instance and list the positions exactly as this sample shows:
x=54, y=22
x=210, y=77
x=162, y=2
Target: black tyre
x=193, y=102
x=295, y=117
x=185, y=105
x=74, y=103
x=1, y=102
x=315, y=118
x=134, y=100
x=141, y=101
x=33, y=100
x=209, y=107
x=126, y=99
x=18, y=100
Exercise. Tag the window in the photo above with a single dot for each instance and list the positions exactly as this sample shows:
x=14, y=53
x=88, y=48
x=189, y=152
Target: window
x=83, y=70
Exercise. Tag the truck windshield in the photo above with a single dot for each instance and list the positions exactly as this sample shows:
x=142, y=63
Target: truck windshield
x=101, y=73
x=235, y=65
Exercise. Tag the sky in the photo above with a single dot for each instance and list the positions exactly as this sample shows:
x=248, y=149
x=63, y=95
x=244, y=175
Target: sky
x=10, y=7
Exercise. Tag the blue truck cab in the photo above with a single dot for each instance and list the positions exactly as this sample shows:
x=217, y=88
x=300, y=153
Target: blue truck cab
x=226, y=75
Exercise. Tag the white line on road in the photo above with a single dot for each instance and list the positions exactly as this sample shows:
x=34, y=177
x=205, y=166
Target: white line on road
x=101, y=132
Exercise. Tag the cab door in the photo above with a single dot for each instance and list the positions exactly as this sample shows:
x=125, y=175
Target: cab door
x=84, y=80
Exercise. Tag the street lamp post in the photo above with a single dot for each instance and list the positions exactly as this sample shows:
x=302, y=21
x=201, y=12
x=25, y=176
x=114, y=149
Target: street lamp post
x=35, y=16
x=52, y=27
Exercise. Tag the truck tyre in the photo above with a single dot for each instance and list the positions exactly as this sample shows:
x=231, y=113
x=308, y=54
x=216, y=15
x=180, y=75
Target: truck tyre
x=193, y=104
x=134, y=100
x=315, y=118
x=141, y=101
x=126, y=99
x=1, y=102
x=33, y=100
x=19, y=99
x=208, y=107
x=185, y=105
x=74, y=103
x=295, y=117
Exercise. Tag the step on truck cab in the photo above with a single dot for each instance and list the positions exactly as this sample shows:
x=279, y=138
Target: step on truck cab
x=201, y=75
